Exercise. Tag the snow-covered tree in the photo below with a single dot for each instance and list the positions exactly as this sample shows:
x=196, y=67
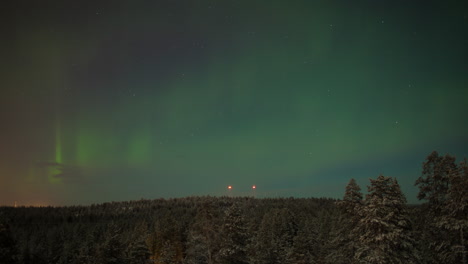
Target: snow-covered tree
x=443, y=185
x=454, y=216
x=345, y=235
x=203, y=237
x=385, y=229
x=168, y=253
x=352, y=199
x=154, y=242
x=111, y=250
x=305, y=245
x=234, y=237
x=435, y=180
x=87, y=252
x=275, y=237
x=138, y=252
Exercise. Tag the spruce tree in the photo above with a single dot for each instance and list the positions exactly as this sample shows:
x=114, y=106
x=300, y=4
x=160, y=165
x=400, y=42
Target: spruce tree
x=275, y=237
x=111, y=250
x=233, y=237
x=454, y=216
x=439, y=186
x=203, y=237
x=384, y=226
x=168, y=252
x=138, y=252
x=344, y=235
x=305, y=245
x=154, y=242
x=352, y=199
x=435, y=180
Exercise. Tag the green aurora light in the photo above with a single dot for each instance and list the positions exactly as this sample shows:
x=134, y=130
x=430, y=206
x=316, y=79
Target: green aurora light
x=175, y=99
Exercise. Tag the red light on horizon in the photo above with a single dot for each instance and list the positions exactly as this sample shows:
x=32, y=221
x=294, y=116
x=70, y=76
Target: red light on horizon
x=229, y=187
x=254, y=187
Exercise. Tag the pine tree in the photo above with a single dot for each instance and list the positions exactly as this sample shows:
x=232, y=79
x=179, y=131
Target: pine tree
x=384, y=226
x=234, y=237
x=168, y=252
x=305, y=245
x=138, y=252
x=324, y=225
x=345, y=234
x=154, y=242
x=275, y=237
x=111, y=251
x=435, y=181
x=173, y=248
x=454, y=216
x=352, y=199
x=203, y=237
x=437, y=185
x=89, y=249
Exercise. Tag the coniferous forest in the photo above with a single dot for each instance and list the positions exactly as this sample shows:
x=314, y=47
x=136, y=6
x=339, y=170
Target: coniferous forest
x=371, y=226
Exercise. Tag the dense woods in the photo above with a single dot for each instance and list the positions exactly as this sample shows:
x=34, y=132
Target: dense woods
x=378, y=227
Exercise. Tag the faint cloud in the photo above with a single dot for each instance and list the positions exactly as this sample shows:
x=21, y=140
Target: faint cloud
x=65, y=172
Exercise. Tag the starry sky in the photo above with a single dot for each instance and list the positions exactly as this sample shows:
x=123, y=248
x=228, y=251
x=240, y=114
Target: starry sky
x=121, y=100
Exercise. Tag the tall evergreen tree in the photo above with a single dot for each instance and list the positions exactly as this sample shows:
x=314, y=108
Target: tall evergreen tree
x=435, y=180
x=454, y=216
x=203, y=237
x=384, y=226
x=305, y=244
x=233, y=237
x=155, y=241
x=138, y=252
x=168, y=252
x=275, y=237
x=441, y=185
x=345, y=235
x=352, y=199
x=111, y=250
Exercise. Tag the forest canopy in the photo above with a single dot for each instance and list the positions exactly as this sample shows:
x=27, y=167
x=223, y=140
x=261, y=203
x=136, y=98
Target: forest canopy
x=378, y=227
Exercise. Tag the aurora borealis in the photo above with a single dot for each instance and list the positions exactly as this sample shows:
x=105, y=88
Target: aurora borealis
x=122, y=100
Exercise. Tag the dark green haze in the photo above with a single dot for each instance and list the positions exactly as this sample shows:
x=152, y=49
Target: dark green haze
x=123, y=100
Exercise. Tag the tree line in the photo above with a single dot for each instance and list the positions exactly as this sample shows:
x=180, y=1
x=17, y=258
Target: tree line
x=379, y=227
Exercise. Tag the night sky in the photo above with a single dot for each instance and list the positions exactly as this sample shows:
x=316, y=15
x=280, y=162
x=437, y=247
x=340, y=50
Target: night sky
x=122, y=100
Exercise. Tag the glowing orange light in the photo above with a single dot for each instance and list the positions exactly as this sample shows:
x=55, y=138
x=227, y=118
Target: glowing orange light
x=254, y=187
x=229, y=187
